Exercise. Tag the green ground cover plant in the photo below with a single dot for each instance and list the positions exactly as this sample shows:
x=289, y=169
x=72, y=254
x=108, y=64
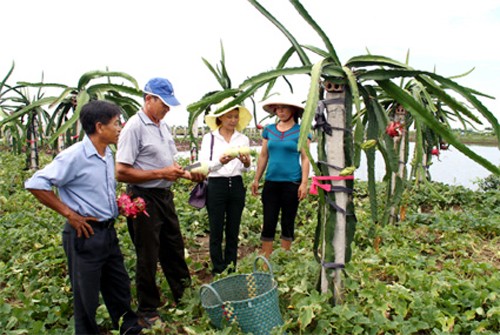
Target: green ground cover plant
x=436, y=272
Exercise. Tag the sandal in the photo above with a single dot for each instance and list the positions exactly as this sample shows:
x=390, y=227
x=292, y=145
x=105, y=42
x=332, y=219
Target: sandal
x=147, y=320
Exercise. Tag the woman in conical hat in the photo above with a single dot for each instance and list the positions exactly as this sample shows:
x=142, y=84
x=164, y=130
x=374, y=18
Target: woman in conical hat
x=227, y=152
x=287, y=171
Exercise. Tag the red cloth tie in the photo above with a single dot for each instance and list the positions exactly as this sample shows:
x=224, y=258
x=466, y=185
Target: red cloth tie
x=326, y=187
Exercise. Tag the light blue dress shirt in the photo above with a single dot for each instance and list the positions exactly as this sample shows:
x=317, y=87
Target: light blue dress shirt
x=85, y=180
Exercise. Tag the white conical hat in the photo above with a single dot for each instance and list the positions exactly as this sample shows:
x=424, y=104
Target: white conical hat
x=283, y=99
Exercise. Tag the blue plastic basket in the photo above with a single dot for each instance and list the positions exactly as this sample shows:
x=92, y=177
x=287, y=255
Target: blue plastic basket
x=250, y=300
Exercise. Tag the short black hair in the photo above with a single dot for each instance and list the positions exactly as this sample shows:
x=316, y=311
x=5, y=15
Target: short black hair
x=97, y=111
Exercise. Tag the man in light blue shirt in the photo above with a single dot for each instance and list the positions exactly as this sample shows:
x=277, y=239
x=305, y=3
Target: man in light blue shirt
x=85, y=178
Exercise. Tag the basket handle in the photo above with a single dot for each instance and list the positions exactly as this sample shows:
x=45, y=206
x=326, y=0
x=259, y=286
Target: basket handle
x=265, y=261
x=210, y=288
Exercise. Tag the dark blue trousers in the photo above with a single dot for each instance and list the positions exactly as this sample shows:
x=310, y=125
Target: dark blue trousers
x=96, y=265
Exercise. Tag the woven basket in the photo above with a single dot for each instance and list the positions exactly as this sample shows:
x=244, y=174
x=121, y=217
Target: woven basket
x=250, y=300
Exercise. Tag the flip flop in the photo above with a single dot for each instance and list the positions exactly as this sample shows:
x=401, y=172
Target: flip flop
x=148, y=321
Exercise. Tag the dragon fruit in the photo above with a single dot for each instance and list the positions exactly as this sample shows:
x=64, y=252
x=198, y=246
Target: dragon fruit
x=394, y=129
x=131, y=208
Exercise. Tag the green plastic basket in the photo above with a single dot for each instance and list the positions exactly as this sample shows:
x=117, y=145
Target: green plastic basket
x=250, y=300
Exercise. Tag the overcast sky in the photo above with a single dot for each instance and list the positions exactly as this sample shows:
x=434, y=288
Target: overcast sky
x=149, y=38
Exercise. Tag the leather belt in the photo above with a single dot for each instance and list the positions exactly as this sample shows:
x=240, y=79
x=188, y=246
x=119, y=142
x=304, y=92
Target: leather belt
x=106, y=224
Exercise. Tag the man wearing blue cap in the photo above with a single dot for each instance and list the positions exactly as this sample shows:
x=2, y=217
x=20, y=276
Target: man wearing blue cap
x=145, y=161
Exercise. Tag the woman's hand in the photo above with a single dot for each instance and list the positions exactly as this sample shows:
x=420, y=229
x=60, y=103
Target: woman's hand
x=245, y=159
x=224, y=159
x=255, y=187
x=302, y=192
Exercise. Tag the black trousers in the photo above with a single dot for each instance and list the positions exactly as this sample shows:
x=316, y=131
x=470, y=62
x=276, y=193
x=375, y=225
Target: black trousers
x=279, y=197
x=225, y=203
x=96, y=265
x=157, y=238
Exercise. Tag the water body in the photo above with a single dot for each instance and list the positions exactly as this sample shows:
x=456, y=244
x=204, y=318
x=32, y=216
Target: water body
x=452, y=167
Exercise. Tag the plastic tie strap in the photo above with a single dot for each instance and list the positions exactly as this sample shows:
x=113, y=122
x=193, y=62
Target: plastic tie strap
x=320, y=119
x=335, y=206
x=330, y=165
x=322, y=124
x=332, y=265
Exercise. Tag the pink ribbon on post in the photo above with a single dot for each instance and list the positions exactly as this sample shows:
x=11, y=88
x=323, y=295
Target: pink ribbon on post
x=325, y=187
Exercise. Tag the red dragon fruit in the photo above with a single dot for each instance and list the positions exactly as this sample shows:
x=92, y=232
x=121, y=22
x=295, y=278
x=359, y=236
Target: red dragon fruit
x=131, y=208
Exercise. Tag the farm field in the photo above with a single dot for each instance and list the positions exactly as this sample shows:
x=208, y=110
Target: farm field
x=435, y=272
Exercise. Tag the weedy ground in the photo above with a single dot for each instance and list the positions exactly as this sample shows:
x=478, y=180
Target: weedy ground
x=436, y=272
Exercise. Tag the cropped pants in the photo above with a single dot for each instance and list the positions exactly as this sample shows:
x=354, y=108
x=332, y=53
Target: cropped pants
x=279, y=197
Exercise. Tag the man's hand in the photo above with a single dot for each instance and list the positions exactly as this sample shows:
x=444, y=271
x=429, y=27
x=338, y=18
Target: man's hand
x=197, y=177
x=194, y=176
x=79, y=223
x=173, y=172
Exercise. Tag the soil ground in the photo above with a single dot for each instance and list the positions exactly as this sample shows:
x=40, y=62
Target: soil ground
x=201, y=255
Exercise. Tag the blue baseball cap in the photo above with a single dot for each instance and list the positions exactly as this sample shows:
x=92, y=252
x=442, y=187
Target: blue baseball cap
x=163, y=89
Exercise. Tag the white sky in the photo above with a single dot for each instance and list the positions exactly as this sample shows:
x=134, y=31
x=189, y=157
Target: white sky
x=150, y=38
